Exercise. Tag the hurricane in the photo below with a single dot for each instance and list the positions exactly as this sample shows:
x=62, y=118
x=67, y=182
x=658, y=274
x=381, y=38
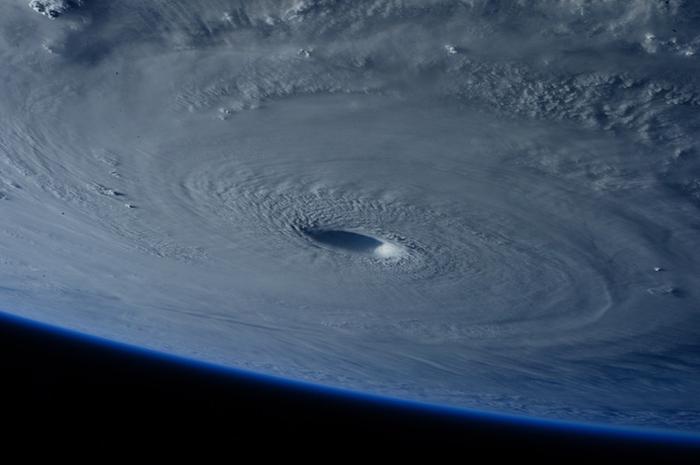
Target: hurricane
x=490, y=205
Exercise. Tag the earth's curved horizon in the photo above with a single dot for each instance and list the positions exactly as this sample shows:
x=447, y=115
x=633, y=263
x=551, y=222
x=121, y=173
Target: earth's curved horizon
x=484, y=204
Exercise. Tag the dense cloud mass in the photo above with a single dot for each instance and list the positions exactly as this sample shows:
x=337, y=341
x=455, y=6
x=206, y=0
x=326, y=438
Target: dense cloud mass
x=486, y=204
x=54, y=8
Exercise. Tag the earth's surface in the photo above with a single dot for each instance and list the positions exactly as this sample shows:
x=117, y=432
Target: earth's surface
x=485, y=204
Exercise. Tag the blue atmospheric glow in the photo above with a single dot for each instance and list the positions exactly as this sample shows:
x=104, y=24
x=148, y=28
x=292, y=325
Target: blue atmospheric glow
x=524, y=422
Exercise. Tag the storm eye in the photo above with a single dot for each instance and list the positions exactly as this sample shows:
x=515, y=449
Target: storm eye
x=345, y=240
x=354, y=242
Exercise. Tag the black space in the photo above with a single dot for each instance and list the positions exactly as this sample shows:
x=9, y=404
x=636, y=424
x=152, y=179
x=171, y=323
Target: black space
x=56, y=385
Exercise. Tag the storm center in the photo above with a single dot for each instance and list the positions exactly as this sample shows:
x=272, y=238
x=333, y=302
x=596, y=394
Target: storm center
x=350, y=241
